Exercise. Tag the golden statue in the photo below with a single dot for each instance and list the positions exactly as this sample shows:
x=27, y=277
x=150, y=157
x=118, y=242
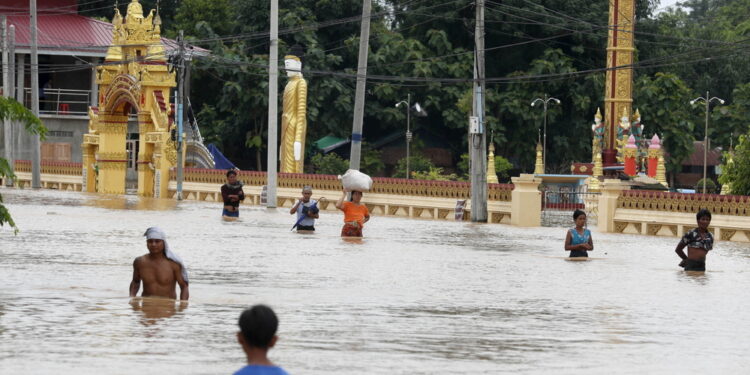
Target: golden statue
x=294, y=116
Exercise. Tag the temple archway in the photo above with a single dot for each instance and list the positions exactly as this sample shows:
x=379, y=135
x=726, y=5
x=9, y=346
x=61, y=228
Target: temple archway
x=135, y=80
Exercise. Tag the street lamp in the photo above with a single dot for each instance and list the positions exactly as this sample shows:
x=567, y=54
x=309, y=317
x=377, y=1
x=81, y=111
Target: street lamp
x=707, y=101
x=545, y=102
x=420, y=112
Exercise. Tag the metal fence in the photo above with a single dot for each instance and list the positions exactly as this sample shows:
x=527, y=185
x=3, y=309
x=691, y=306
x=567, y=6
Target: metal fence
x=558, y=204
x=61, y=101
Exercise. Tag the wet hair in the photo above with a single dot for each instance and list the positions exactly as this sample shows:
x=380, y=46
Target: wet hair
x=578, y=213
x=231, y=171
x=703, y=213
x=258, y=325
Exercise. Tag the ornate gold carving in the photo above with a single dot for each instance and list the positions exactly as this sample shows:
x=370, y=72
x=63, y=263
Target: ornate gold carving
x=653, y=229
x=170, y=151
x=727, y=234
x=620, y=226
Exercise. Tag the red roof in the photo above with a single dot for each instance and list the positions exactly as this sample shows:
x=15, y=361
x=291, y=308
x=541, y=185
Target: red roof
x=64, y=33
x=68, y=34
x=696, y=158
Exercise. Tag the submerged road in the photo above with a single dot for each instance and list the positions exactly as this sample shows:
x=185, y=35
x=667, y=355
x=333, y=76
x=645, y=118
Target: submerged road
x=416, y=297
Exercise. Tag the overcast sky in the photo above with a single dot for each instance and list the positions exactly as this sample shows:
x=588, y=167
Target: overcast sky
x=665, y=3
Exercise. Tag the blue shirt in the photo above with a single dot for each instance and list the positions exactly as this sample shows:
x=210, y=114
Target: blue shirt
x=306, y=220
x=577, y=239
x=261, y=370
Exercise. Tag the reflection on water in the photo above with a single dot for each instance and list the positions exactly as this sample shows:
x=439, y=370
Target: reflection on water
x=154, y=309
x=413, y=296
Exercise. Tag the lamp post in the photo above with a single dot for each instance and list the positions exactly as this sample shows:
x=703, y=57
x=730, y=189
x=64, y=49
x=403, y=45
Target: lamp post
x=707, y=101
x=545, y=103
x=420, y=112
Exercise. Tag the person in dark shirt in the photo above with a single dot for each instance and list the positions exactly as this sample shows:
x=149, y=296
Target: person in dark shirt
x=699, y=242
x=257, y=336
x=232, y=194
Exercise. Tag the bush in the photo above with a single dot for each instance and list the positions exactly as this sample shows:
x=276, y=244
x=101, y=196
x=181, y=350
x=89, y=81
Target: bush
x=502, y=166
x=435, y=174
x=710, y=186
x=329, y=164
x=417, y=163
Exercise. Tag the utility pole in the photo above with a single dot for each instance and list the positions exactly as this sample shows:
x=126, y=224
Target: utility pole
x=477, y=138
x=273, y=103
x=7, y=135
x=9, y=129
x=180, y=99
x=36, y=165
x=359, y=97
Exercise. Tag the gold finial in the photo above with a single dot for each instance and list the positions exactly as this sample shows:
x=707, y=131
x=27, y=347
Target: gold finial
x=492, y=148
x=598, y=115
x=637, y=116
x=135, y=10
x=539, y=165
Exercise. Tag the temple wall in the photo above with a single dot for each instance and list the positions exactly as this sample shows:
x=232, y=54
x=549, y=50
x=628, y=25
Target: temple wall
x=671, y=214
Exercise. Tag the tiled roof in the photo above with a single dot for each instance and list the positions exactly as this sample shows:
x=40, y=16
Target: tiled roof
x=63, y=34
x=696, y=158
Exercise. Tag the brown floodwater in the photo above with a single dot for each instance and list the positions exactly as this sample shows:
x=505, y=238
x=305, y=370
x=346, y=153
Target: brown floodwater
x=414, y=296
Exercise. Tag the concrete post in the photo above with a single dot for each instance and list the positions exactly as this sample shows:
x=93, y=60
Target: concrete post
x=611, y=190
x=526, y=202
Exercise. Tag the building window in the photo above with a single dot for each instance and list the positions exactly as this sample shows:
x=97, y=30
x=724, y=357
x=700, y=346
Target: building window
x=60, y=134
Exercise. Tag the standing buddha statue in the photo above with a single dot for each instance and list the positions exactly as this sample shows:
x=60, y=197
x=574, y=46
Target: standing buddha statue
x=294, y=115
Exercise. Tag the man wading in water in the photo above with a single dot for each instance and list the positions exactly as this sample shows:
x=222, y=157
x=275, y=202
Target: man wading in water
x=699, y=242
x=160, y=269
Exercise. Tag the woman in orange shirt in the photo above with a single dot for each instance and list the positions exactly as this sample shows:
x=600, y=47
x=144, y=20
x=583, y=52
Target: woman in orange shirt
x=355, y=214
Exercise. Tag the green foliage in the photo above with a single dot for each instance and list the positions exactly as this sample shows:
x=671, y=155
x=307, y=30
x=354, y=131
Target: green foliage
x=15, y=111
x=710, y=186
x=665, y=111
x=737, y=172
x=435, y=174
x=417, y=163
x=502, y=166
x=329, y=164
x=435, y=39
x=372, y=162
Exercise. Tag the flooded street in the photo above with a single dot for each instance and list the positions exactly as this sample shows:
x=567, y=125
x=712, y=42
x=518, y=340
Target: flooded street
x=413, y=297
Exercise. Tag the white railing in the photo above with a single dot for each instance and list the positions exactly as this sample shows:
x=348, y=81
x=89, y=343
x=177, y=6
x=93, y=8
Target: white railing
x=62, y=102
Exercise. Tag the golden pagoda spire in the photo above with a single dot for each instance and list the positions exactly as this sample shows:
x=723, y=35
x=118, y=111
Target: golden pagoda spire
x=539, y=166
x=618, y=97
x=491, y=173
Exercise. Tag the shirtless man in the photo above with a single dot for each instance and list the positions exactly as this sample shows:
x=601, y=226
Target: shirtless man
x=160, y=269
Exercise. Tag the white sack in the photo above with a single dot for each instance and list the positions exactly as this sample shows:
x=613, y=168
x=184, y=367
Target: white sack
x=356, y=180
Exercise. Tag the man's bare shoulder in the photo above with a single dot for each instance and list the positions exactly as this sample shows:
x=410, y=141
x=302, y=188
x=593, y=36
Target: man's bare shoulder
x=141, y=260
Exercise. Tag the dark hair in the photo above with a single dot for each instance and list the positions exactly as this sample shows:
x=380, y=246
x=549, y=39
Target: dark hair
x=703, y=213
x=231, y=171
x=351, y=197
x=258, y=325
x=577, y=213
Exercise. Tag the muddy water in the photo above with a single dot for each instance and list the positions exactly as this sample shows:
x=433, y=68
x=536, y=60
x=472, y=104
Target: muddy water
x=417, y=297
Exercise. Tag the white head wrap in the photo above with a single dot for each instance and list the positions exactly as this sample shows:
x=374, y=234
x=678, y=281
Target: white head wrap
x=156, y=233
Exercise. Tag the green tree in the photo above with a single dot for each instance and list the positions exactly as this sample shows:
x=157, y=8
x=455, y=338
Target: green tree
x=329, y=164
x=737, y=172
x=661, y=100
x=417, y=163
x=14, y=111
